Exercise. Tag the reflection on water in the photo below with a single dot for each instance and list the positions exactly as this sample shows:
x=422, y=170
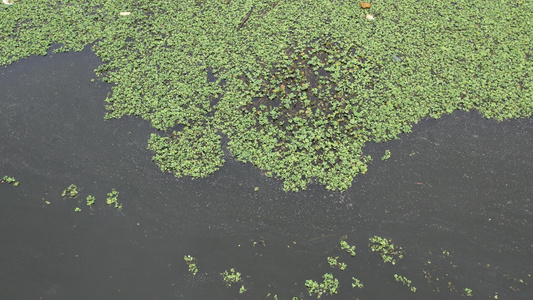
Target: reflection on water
x=455, y=194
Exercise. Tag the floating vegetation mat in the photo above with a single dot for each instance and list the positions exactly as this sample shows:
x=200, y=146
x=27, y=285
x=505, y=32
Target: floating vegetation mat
x=298, y=87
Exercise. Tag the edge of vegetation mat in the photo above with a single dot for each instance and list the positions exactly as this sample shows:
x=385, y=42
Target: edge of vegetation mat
x=298, y=87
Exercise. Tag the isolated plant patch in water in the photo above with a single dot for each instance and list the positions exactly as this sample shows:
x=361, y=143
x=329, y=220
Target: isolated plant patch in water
x=357, y=283
x=71, y=191
x=330, y=285
x=112, y=199
x=90, y=200
x=405, y=281
x=298, y=87
x=389, y=252
x=333, y=261
x=345, y=246
x=230, y=277
x=191, y=262
x=9, y=180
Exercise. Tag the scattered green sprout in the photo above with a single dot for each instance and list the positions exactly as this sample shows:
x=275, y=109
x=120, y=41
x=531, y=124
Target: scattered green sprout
x=446, y=253
x=242, y=289
x=10, y=180
x=388, y=251
x=90, y=200
x=112, y=198
x=191, y=262
x=468, y=292
x=333, y=261
x=347, y=247
x=405, y=281
x=231, y=277
x=77, y=209
x=71, y=191
x=330, y=285
x=386, y=156
x=357, y=283
x=256, y=189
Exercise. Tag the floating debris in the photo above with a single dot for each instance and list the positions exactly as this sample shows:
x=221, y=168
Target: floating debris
x=365, y=5
x=370, y=17
x=124, y=13
x=396, y=58
x=8, y=2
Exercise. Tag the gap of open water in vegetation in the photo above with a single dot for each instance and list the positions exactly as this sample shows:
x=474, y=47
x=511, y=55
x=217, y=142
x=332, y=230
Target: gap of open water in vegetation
x=456, y=194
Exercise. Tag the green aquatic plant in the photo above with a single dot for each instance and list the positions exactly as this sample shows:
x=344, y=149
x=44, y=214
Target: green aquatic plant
x=347, y=247
x=386, y=156
x=9, y=180
x=404, y=281
x=71, y=191
x=388, y=251
x=90, y=200
x=112, y=199
x=333, y=261
x=330, y=285
x=230, y=277
x=357, y=283
x=468, y=292
x=191, y=263
x=297, y=88
x=242, y=289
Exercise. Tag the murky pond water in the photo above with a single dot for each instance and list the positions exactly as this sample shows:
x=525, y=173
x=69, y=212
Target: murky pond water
x=456, y=194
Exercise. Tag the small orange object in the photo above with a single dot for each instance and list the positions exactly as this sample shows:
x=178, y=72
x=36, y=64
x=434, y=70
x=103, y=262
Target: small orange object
x=365, y=5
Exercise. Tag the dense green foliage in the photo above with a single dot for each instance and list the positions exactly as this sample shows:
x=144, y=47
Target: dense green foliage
x=300, y=86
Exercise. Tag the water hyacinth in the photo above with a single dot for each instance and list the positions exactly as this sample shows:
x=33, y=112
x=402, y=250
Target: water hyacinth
x=300, y=99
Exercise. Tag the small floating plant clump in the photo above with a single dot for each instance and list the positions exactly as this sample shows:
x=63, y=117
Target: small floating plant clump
x=191, y=262
x=357, y=283
x=347, y=247
x=230, y=277
x=112, y=199
x=71, y=191
x=388, y=251
x=329, y=285
x=333, y=261
x=9, y=180
x=386, y=156
x=90, y=200
x=405, y=281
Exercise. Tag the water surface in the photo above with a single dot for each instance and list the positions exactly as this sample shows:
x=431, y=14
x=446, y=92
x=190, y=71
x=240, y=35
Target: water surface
x=456, y=194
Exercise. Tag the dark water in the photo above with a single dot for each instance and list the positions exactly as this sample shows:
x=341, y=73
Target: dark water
x=456, y=194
